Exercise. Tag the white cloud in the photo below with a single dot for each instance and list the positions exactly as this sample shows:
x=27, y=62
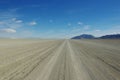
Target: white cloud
x=86, y=27
x=16, y=20
x=1, y=23
x=33, y=23
x=97, y=30
x=9, y=19
x=19, y=21
x=69, y=24
x=8, y=30
x=10, y=23
x=8, y=14
x=80, y=23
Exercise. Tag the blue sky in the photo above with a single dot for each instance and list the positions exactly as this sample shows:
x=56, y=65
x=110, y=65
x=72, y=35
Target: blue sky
x=58, y=18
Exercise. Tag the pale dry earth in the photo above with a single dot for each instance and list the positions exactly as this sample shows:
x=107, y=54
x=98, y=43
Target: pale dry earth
x=59, y=59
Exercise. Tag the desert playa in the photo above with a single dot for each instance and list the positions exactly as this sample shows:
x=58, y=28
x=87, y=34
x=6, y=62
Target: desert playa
x=25, y=59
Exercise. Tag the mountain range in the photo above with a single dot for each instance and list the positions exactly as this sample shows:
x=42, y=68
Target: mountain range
x=88, y=36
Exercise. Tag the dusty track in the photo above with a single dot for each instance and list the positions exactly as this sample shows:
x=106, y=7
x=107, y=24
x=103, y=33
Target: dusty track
x=60, y=60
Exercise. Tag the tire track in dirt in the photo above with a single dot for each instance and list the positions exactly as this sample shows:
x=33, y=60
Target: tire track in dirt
x=91, y=59
x=61, y=60
x=36, y=57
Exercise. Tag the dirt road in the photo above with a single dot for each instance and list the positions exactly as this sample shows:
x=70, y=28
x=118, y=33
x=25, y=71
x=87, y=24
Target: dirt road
x=59, y=59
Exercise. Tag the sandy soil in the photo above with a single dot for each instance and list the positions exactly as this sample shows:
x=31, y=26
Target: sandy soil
x=59, y=59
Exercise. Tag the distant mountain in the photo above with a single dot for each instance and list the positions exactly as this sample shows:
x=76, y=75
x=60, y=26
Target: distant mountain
x=88, y=36
x=84, y=36
x=114, y=36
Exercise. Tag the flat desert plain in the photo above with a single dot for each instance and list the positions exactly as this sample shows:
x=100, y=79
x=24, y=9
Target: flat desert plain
x=25, y=59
